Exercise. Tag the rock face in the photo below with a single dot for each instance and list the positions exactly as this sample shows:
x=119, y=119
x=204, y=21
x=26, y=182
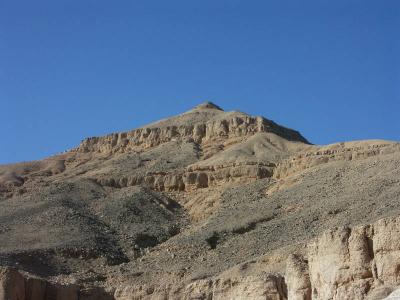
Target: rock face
x=355, y=263
x=336, y=152
x=343, y=263
x=207, y=204
x=194, y=178
x=219, y=128
x=297, y=278
x=393, y=296
x=16, y=286
x=270, y=287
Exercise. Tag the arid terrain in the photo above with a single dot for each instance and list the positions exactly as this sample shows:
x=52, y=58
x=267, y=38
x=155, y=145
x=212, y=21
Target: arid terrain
x=207, y=204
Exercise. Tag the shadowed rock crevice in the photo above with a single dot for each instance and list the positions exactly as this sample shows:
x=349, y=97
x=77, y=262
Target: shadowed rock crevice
x=146, y=241
x=251, y=225
x=213, y=240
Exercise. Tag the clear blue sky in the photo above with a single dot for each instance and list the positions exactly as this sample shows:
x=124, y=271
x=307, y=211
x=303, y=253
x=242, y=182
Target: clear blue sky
x=73, y=69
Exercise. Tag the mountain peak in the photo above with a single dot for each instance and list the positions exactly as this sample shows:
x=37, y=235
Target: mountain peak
x=208, y=105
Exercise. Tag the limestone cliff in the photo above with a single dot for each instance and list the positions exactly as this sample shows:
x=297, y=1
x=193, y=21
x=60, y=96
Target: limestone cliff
x=220, y=127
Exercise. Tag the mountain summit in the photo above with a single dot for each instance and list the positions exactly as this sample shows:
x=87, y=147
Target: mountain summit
x=206, y=204
x=208, y=105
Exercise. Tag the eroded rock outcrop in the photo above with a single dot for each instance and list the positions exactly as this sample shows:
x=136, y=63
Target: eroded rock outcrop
x=297, y=278
x=356, y=263
x=288, y=171
x=268, y=286
x=340, y=264
x=335, y=152
x=224, y=128
x=194, y=177
x=343, y=263
x=17, y=286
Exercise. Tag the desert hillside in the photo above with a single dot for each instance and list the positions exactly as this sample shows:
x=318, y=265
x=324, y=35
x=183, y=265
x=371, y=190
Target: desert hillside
x=207, y=204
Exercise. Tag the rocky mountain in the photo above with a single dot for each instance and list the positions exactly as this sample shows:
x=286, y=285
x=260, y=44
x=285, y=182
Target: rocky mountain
x=204, y=205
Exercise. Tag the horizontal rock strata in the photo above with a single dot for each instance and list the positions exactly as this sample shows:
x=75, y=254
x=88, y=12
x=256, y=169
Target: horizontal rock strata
x=336, y=152
x=143, y=138
x=194, y=177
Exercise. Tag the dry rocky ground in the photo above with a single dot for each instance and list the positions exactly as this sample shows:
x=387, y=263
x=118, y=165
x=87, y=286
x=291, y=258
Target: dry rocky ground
x=205, y=205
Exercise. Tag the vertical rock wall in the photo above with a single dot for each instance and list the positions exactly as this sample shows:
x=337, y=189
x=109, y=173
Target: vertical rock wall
x=16, y=286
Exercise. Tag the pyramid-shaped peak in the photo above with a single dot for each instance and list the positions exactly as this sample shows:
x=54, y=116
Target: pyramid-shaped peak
x=208, y=105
